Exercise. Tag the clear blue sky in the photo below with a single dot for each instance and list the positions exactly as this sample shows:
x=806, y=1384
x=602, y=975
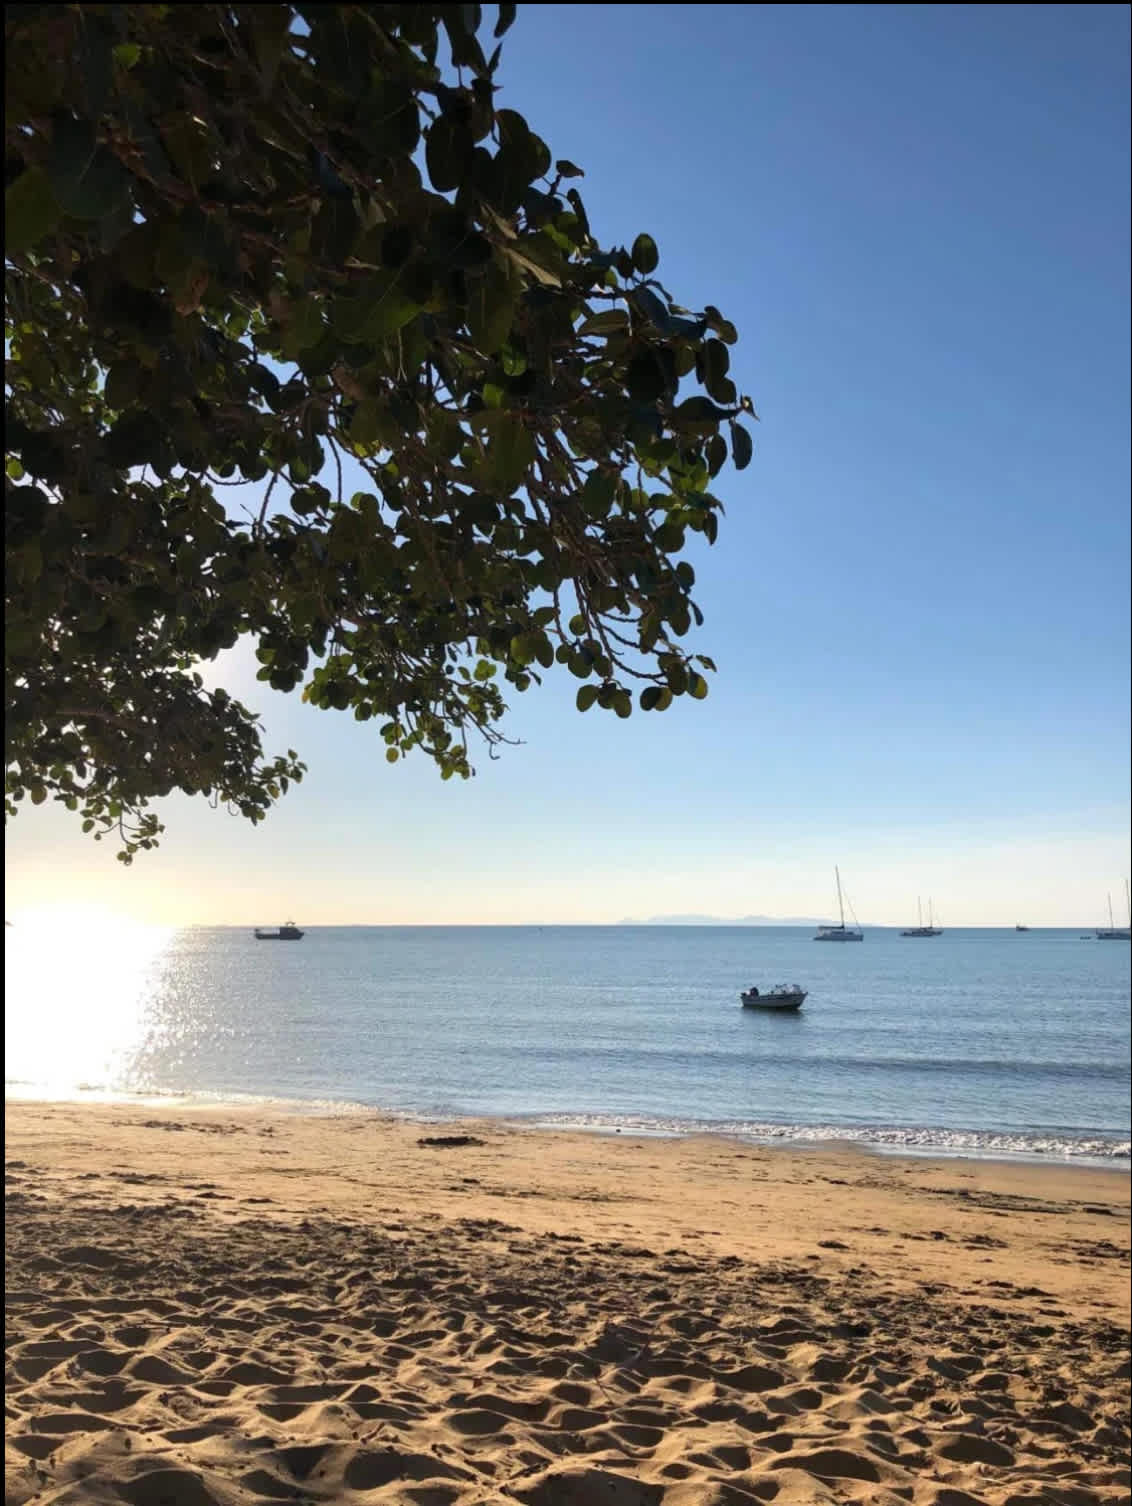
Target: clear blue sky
x=918, y=218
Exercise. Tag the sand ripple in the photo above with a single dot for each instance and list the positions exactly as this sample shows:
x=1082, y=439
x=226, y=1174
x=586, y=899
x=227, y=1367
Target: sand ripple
x=165, y=1355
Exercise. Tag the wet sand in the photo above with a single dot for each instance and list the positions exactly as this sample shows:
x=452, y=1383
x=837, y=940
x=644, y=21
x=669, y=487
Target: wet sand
x=227, y=1306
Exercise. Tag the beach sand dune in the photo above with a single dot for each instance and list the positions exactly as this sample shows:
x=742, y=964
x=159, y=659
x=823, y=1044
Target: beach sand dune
x=216, y=1308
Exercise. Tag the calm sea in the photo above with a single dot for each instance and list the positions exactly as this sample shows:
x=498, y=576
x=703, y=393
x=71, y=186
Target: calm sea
x=977, y=1041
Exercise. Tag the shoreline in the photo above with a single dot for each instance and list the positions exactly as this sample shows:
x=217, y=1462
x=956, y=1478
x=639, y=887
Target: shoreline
x=917, y=1142
x=223, y=1305
x=538, y=1164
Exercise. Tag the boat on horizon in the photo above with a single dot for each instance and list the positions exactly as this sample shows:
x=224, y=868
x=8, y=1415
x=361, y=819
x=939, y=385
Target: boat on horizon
x=289, y=931
x=1021, y=928
x=840, y=932
x=783, y=997
x=920, y=929
x=1114, y=932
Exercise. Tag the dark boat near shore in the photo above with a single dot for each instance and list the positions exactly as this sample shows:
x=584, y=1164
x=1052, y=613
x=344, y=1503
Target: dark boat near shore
x=287, y=932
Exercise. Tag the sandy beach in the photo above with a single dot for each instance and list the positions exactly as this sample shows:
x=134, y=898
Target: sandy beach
x=229, y=1306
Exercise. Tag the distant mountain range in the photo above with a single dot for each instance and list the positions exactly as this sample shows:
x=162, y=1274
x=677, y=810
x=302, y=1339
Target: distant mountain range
x=723, y=920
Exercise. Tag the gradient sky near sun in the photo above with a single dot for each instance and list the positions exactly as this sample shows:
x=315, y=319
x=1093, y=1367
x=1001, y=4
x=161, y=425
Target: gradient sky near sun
x=918, y=218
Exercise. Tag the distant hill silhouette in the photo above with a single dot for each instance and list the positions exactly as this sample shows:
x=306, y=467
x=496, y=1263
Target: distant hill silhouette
x=723, y=920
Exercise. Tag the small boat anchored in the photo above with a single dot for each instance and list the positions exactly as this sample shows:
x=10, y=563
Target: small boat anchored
x=784, y=996
x=289, y=931
x=1021, y=928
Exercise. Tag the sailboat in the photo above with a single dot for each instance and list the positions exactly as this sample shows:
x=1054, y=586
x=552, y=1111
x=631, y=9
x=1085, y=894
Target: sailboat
x=840, y=932
x=1114, y=932
x=920, y=929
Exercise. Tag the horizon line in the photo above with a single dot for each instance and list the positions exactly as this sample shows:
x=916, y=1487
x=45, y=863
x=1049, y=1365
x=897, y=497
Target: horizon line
x=627, y=924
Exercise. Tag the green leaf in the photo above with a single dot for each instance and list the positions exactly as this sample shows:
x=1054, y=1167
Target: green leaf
x=567, y=169
x=511, y=449
x=306, y=327
x=597, y=494
x=389, y=310
x=645, y=376
x=651, y=307
x=448, y=152
x=522, y=158
x=715, y=365
x=645, y=255
x=88, y=180
x=669, y=537
x=715, y=453
x=527, y=647
x=606, y=323
x=677, y=677
x=513, y=361
x=539, y=259
x=742, y=447
x=506, y=17
x=391, y=126
x=586, y=696
x=699, y=410
x=31, y=211
x=367, y=426
x=493, y=298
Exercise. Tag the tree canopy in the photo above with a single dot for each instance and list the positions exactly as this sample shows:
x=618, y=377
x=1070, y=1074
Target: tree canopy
x=301, y=248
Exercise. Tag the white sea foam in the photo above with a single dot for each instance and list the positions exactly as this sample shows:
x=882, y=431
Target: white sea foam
x=1075, y=1149
x=902, y=1140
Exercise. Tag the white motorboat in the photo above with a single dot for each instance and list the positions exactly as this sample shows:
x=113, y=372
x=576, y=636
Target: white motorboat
x=782, y=996
x=289, y=931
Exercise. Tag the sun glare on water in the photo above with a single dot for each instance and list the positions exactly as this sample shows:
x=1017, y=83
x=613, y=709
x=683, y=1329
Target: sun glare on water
x=78, y=980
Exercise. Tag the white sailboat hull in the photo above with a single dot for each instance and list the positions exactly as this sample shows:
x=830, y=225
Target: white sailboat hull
x=840, y=932
x=1113, y=932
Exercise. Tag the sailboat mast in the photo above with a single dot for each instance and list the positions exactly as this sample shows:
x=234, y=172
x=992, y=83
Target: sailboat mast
x=1111, y=925
x=1127, y=902
x=840, y=904
x=919, y=914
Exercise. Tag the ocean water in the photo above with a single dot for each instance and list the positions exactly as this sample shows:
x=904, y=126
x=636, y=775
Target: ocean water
x=977, y=1042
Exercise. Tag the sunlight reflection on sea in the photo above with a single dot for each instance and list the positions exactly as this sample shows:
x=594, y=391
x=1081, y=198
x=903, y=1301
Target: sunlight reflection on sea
x=84, y=980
